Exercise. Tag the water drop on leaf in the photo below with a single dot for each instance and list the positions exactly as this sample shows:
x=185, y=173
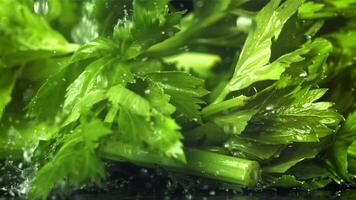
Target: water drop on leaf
x=41, y=7
x=303, y=74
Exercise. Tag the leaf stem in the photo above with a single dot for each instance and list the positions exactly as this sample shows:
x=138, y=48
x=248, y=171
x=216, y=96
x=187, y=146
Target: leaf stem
x=223, y=94
x=215, y=108
x=202, y=163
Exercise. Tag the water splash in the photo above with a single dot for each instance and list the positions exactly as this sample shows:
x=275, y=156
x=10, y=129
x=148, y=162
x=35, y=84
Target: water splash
x=87, y=29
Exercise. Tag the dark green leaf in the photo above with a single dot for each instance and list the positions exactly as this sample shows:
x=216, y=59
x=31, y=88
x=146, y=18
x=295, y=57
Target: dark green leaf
x=140, y=123
x=336, y=155
x=75, y=162
x=253, y=61
x=293, y=116
x=34, y=37
x=292, y=155
x=185, y=92
x=7, y=83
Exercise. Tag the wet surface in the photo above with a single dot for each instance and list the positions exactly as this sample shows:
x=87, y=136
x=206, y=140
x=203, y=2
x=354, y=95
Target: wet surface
x=133, y=182
x=288, y=195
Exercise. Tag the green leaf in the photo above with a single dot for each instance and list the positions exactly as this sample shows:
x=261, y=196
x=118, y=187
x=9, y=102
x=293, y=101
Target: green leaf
x=234, y=123
x=327, y=9
x=185, y=91
x=290, y=181
x=207, y=134
x=310, y=67
x=285, y=181
x=40, y=70
x=206, y=14
x=95, y=49
x=151, y=21
x=140, y=123
x=292, y=155
x=85, y=90
x=84, y=105
x=337, y=153
x=7, y=84
x=252, y=149
x=26, y=36
x=253, y=61
x=48, y=101
x=158, y=99
x=292, y=116
x=309, y=169
x=88, y=80
x=201, y=63
x=233, y=103
x=344, y=42
x=351, y=158
x=76, y=161
x=299, y=31
x=75, y=77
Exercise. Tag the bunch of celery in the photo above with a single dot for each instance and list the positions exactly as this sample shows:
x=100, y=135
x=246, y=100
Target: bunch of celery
x=250, y=94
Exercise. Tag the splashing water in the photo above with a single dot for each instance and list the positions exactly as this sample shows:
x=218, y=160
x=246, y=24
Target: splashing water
x=87, y=29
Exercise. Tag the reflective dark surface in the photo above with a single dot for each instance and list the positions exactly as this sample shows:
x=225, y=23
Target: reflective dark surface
x=291, y=195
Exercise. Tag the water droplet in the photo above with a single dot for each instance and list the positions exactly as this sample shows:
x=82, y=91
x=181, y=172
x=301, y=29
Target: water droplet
x=269, y=107
x=41, y=7
x=299, y=138
x=189, y=196
x=205, y=187
x=307, y=37
x=217, y=173
x=144, y=172
x=303, y=74
x=102, y=80
x=229, y=128
x=255, y=90
x=184, y=48
x=11, y=193
x=244, y=23
x=148, y=91
x=20, y=165
x=212, y=192
x=57, y=119
x=235, y=153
